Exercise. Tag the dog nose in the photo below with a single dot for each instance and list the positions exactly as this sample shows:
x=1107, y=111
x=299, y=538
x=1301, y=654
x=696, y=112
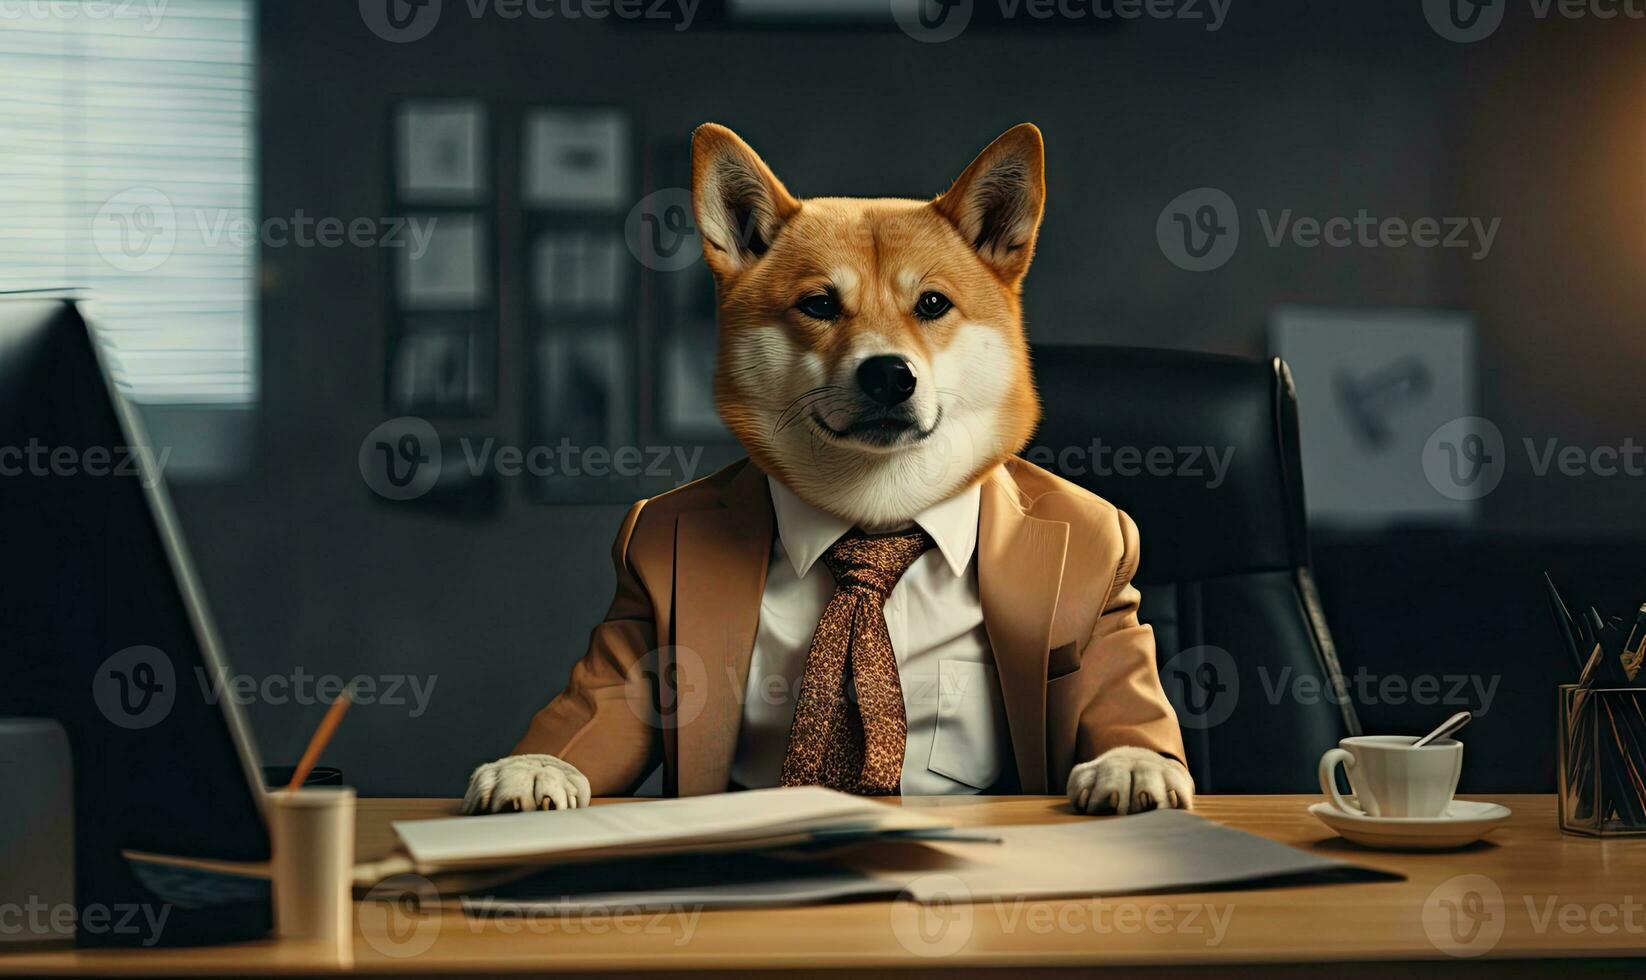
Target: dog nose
x=887, y=379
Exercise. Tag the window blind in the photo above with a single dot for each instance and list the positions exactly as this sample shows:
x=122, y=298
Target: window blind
x=127, y=173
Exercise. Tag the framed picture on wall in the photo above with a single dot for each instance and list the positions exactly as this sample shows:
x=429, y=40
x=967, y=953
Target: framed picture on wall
x=440, y=151
x=580, y=272
x=1383, y=395
x=442, y=364
x=449, y=270
x=580, y=295
x=440, y=353
x=575, y=159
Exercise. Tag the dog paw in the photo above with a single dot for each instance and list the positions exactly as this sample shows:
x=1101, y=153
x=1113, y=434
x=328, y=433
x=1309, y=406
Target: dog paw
x=526, y=782
x=1130, y=780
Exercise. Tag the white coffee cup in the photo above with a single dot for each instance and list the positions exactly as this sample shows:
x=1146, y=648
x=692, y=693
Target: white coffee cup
x=1392, y=777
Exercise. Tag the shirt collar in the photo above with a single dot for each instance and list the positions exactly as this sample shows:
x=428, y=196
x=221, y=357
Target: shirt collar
x=807, y=532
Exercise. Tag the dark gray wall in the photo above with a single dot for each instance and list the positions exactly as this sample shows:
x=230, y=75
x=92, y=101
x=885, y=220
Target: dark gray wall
x=1296, y=105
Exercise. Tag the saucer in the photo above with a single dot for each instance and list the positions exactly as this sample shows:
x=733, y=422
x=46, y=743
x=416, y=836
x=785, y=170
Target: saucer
x=1464, y=822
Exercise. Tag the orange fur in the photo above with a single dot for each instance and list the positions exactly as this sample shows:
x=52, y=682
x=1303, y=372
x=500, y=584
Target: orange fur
x=769, y=250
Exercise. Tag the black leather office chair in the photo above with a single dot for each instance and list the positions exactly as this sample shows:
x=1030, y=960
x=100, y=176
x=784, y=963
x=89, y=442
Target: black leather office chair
x=1201, y=450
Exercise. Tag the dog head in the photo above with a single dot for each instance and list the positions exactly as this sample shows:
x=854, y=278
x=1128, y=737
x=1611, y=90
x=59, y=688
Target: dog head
x=872, y=353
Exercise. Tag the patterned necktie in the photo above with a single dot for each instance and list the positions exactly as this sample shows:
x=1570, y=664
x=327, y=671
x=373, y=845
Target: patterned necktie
x=855, y=745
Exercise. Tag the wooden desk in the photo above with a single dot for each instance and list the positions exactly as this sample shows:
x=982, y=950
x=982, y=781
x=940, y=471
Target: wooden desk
x=1536, y=894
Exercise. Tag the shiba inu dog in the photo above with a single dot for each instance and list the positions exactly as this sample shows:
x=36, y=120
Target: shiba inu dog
x=872, y=354
x=873, y=363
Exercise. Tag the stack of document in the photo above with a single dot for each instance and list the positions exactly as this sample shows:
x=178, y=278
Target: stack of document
x=753, y=820
x=674, y=853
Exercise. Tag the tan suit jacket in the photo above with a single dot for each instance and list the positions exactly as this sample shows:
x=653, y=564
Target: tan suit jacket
x=664, y=677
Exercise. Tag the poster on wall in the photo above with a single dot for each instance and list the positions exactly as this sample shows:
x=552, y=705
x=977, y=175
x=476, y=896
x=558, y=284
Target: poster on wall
x=575, y=159
x=580, y=272
x=450, y=271
x=1389, y=423
x=440, y=151
x=442, y=364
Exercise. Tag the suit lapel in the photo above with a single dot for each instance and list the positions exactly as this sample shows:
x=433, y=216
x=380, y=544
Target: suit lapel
x=720, y=576
x=1019, y=575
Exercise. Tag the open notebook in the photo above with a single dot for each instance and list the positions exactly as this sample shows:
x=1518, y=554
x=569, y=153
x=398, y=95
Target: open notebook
x=752, y=820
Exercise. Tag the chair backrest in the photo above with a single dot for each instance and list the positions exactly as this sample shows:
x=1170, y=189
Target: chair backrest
x=1202, y=451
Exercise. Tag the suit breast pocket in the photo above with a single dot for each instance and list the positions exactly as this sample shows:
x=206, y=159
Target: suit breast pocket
x=971, y=723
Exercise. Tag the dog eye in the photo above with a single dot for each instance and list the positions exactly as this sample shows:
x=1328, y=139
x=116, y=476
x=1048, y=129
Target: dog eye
x=822, y=306
x=932, y=305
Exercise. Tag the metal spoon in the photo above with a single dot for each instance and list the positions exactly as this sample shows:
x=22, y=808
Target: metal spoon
x=1447, y=727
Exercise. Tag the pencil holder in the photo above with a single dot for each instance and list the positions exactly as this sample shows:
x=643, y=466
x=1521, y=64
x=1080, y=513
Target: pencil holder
x=1602, y=761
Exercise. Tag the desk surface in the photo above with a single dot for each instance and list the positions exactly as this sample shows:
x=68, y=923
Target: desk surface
x=1529, y=894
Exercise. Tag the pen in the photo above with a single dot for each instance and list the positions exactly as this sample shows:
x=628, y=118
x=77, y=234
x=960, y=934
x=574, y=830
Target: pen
x=322, y=737
x=1563, y=621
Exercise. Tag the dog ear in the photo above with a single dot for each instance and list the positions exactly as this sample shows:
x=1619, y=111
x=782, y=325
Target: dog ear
x=739, y=203
x=997, y=203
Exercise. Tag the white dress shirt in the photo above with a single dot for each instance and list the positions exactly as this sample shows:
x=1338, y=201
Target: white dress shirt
x=951, y=692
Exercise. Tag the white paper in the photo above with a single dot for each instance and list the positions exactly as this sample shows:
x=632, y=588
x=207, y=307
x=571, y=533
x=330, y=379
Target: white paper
x=656, y=826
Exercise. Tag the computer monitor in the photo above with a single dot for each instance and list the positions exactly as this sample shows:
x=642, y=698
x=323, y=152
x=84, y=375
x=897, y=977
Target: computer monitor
x=104, y=627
